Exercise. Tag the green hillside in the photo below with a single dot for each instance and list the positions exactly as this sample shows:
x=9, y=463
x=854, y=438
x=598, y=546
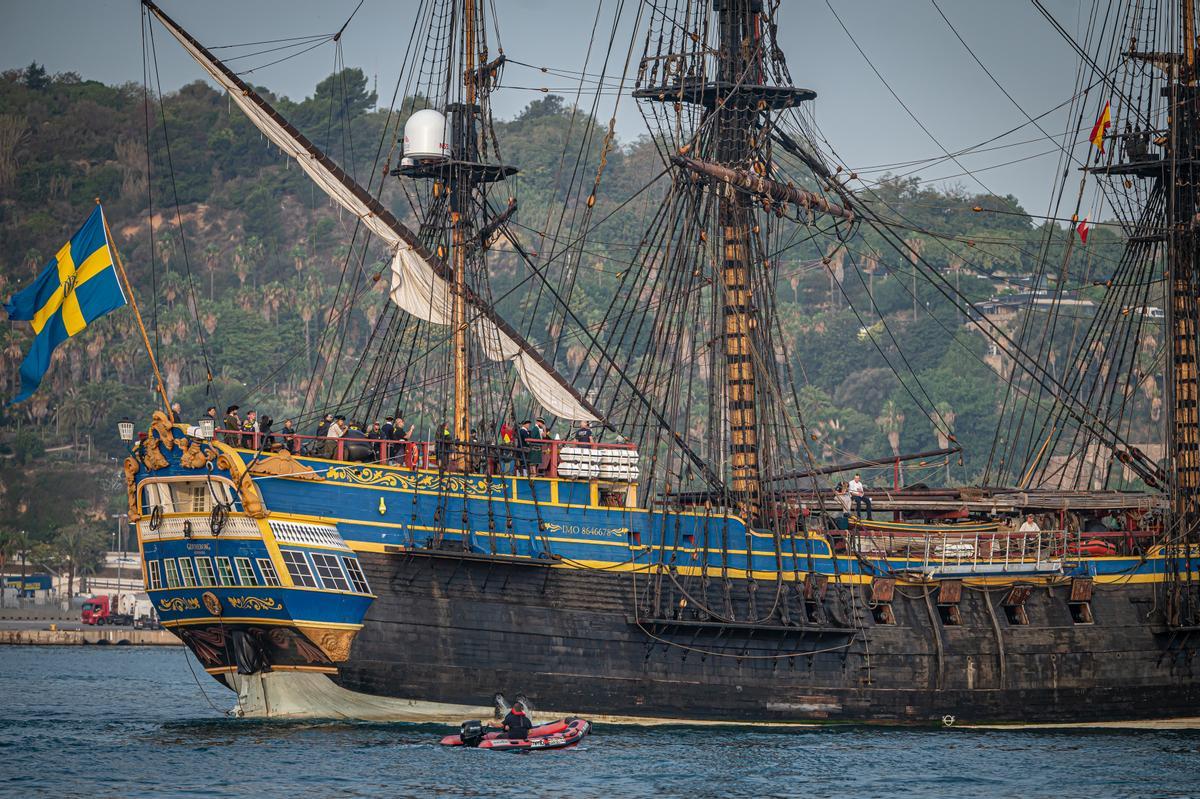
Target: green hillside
x=256, y=269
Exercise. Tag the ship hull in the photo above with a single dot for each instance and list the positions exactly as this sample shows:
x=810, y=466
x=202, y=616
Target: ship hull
x=455, y=631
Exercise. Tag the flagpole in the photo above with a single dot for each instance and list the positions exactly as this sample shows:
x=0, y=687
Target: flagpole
x=136, y=313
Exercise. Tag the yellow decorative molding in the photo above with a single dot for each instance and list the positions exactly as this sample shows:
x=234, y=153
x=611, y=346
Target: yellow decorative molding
x=131, y=471
x=195, y=456
x=179, y=604
x=251, y=498
x=254, y=603
x=334, y=643
x=283, y=464
x=161, y=425
x=449, y=483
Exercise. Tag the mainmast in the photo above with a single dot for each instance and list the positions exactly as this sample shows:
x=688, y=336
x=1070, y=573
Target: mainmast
x=739, y=35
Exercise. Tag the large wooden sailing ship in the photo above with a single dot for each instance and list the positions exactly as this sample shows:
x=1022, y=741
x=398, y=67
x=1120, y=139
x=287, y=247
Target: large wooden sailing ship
x=671, y=575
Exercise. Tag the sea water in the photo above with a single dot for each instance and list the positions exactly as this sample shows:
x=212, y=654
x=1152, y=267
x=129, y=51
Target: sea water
x=132, y=722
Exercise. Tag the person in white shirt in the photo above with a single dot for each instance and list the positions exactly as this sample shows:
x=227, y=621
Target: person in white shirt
x=858, y=494
x=1029, y=525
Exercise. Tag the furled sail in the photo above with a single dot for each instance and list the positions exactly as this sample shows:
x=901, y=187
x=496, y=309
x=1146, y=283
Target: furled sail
x=420, y=282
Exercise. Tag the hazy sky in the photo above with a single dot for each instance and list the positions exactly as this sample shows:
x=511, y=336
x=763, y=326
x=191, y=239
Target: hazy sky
x=907, y=40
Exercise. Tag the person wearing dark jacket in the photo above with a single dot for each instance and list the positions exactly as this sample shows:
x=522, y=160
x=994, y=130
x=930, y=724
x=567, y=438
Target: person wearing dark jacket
x=232, y=423
x=517, y=724
x=289, y=435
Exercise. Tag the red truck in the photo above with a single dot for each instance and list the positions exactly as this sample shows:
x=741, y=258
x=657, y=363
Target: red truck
x=103, y=610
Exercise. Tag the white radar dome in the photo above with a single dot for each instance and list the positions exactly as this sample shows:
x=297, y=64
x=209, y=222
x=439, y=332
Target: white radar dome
x=426, y=135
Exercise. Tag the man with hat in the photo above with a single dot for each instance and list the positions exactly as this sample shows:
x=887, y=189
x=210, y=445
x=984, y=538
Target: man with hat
x=524, y=434
x=541, y=431
x=232, y=424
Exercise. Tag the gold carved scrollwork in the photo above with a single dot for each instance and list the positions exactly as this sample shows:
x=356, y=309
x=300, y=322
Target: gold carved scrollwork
x=195, y=456
x=283, y=464
x=160, y=426
x=152, y=456
x=131, y=471
x=251, y=499
x=254, y=603
x=334, y=643
x=179, y=604
x=368, y=476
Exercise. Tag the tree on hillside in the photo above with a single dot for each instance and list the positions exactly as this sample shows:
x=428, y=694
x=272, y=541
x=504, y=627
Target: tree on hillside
x=79, y=546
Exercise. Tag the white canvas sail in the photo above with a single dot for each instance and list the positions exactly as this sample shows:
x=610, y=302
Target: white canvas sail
x=416, y=285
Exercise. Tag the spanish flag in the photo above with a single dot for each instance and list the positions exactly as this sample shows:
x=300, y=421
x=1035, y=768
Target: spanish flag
x=77, y=287
x=1101, y=127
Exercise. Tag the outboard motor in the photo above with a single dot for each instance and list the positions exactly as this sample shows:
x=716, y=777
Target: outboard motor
x=471, y=732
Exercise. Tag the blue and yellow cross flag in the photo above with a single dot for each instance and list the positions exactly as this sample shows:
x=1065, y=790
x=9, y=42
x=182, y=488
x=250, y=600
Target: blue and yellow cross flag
x=77, y=287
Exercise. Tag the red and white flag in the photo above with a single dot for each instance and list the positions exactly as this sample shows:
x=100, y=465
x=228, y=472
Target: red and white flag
x=1082, y=229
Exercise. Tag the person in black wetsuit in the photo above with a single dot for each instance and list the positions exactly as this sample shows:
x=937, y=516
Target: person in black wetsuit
x=517, y=724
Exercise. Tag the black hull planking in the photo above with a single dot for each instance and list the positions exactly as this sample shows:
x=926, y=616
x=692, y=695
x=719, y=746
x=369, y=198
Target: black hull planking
x=449, y=630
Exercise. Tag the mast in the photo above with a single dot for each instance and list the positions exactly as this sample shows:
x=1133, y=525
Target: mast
x=738, y=35
x=1183, y=322
x=460, y=194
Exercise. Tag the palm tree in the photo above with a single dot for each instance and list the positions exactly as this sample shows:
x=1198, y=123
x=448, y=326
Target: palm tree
x=297, y=253
x=79, y=547
x=891, y=422
x=211, y=251
x=943, y=428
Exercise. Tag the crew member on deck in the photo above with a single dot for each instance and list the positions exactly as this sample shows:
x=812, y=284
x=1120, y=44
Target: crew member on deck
x=507, y=439
x=288, y=431
x=176, y=413
x=584, y=433
x=517, y=724
x=858, y=493
x=523, y=436
x=232, y=424
x=444, y=438
x=249, y=428
x=536, y=454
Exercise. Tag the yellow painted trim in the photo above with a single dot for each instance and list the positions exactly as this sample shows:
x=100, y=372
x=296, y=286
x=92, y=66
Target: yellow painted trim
x=259, y=620
x=272, y=546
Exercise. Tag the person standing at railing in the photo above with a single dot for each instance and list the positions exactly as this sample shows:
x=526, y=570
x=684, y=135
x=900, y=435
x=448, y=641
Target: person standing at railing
x=524, y=434
x=858, y=494
x=1029, y=526
x=250, y=429
x=232, y=424
x=540, y=432
x=336, y=429
x=288, y=431
x=507, y=439
x=584, y=433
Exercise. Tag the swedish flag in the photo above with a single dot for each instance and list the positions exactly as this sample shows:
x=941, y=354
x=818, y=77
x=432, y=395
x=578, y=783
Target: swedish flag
x=79, y=286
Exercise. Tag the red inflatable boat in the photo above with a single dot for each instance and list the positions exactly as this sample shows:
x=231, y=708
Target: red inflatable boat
x=552, y=735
